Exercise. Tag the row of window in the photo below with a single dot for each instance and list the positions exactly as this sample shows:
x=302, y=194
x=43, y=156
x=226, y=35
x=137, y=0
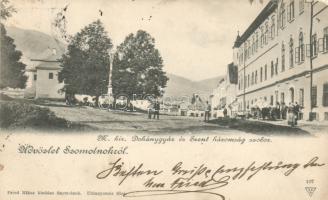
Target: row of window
x=317, y=45
x=299, y=52
x=314, y=97
x=296, y=55
x=258, y=40
x=258, y=76
x=290, y=12
x=267, y=32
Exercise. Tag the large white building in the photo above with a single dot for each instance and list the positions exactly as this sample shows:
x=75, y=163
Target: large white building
x=283, y=57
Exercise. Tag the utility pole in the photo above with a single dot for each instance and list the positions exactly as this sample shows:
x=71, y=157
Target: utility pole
x=311, y=59
x=244, y=96
x=110, y=87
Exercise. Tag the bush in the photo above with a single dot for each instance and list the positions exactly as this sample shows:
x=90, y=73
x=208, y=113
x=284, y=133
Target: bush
x=21, y=114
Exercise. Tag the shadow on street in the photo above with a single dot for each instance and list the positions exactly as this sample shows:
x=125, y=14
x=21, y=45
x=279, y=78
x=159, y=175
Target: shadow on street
x=259, y=127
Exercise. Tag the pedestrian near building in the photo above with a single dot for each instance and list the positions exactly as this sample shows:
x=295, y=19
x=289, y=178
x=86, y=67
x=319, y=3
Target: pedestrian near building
x=156, y=109
x=207, y=111
x=297, y=109
x=225, y=112
x=278, y=108
x=291, y=119
x=150, y=109
x=283, y=110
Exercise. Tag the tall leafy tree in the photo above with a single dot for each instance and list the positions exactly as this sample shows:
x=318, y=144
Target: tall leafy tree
x=86, y=63
x=12, y=71
x=138, y=67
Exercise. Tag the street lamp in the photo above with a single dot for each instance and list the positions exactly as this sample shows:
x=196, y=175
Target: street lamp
x=311, y=56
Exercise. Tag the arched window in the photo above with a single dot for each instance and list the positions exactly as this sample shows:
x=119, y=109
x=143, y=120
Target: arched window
x=249, y=49
x=262, y=37
x=253, y=44
x=272, y=69
x=282, y=56
x=273, y=27
x=252, y=82
x=301, y=5
x=256, y=77
x=290, y=11
x=256, y=41
x=266, y=34
x=246, y=51
x=282, y=15
x=301, y=47
x=291, y=52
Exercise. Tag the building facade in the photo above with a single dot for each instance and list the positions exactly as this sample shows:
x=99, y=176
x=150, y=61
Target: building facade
x=282, y=57
x=225, y=95
x=43, y=79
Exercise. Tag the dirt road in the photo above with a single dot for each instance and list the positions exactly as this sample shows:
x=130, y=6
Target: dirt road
x=114, y=121
x=103, y=120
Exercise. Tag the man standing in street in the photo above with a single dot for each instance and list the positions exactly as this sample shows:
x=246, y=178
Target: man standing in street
x=225, y=112
x=207, y=111
x=150, y=109
x=296, y=112
x=156, y=109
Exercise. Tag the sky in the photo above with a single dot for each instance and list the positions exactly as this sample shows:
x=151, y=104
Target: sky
x=194, y=37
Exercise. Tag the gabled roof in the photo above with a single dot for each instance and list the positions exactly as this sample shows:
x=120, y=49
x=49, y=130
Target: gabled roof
x=48, y=60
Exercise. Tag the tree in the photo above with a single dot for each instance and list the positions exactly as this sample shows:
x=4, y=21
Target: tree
x=6, y=10
x=138, y=67
x=11, y=69
x=86, y=63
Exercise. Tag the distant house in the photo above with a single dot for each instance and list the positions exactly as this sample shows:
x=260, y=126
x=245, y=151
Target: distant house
x=43, y=78
x=141, y=104
x=197, y=107
x=183, y=108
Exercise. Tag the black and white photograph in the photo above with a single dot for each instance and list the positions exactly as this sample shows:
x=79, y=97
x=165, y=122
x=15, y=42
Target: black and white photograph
x=104, y=68
x=148, y=83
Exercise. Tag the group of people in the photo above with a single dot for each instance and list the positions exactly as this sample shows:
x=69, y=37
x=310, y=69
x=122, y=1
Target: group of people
x=153, y=109
x=281, y=111
x=293, y=113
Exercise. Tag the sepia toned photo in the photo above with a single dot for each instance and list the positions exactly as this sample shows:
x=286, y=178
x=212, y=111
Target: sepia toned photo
x=164, y=99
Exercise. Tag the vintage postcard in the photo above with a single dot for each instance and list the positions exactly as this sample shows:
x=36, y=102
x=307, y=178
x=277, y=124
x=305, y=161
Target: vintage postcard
x=164, y=99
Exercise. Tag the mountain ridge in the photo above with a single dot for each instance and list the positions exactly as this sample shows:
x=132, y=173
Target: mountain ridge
x=35, y=44
x=181, y=86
